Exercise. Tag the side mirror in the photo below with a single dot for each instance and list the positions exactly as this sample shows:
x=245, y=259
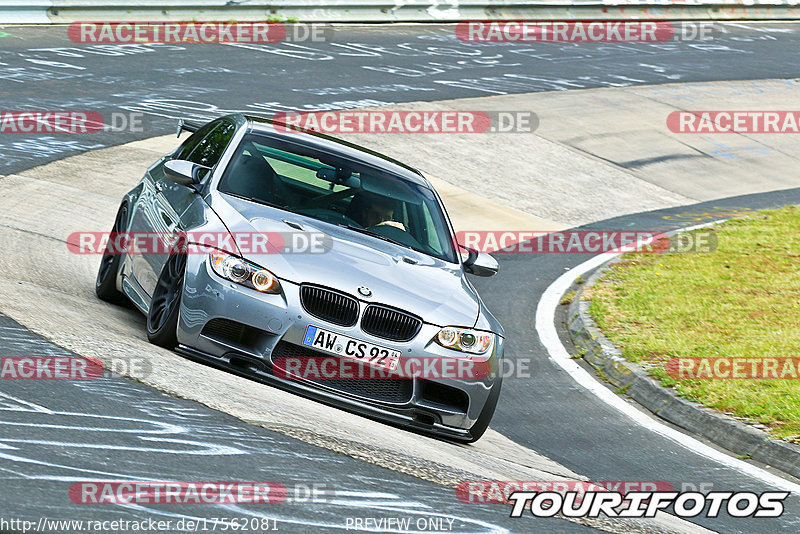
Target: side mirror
x=184, y=172
x=481, y=263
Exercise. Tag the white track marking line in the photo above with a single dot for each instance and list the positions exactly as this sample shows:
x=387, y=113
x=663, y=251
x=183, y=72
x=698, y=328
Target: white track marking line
x=546, y=328
x=34, y=407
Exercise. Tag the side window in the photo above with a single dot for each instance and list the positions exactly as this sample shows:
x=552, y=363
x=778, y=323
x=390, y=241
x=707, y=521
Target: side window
x=193, y=140
x=210, y=149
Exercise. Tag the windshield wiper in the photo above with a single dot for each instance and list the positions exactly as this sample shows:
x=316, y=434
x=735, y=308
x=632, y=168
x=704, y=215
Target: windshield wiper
x=373, y=234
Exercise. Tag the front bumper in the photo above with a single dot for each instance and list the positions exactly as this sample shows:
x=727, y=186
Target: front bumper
x=256, y=323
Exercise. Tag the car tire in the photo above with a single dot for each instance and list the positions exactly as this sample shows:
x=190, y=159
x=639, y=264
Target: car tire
x=105, y=285
x=477, y=430
x=162, y=317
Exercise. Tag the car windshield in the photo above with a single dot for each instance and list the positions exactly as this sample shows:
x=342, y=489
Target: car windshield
x=340, y=191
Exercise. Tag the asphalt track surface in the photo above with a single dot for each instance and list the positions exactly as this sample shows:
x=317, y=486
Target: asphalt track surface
x=114, y=428
x=362, y=66
x=41, y=69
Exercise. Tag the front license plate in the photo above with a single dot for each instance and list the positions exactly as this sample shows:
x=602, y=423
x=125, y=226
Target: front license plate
x=348, y=347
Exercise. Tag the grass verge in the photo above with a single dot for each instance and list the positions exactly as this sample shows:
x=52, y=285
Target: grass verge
x=741, y=301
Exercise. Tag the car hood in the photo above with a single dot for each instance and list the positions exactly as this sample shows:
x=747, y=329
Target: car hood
x=430, y=288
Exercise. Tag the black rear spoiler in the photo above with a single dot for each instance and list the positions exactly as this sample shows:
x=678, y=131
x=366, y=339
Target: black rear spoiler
x=188, y=126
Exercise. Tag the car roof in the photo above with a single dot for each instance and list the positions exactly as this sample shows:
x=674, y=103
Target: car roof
x=337, y=146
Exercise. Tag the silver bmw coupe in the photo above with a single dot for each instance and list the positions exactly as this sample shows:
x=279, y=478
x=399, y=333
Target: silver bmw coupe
x=315, y=265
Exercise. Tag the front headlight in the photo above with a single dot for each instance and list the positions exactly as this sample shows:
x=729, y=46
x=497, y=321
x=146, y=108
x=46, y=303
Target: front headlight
x=465, y=339
x=243, y=272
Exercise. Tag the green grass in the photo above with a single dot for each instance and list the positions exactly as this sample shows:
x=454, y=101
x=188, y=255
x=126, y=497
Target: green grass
x=741, y=301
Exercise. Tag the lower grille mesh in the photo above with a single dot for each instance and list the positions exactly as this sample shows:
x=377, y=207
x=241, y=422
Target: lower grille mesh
x=394, y=390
